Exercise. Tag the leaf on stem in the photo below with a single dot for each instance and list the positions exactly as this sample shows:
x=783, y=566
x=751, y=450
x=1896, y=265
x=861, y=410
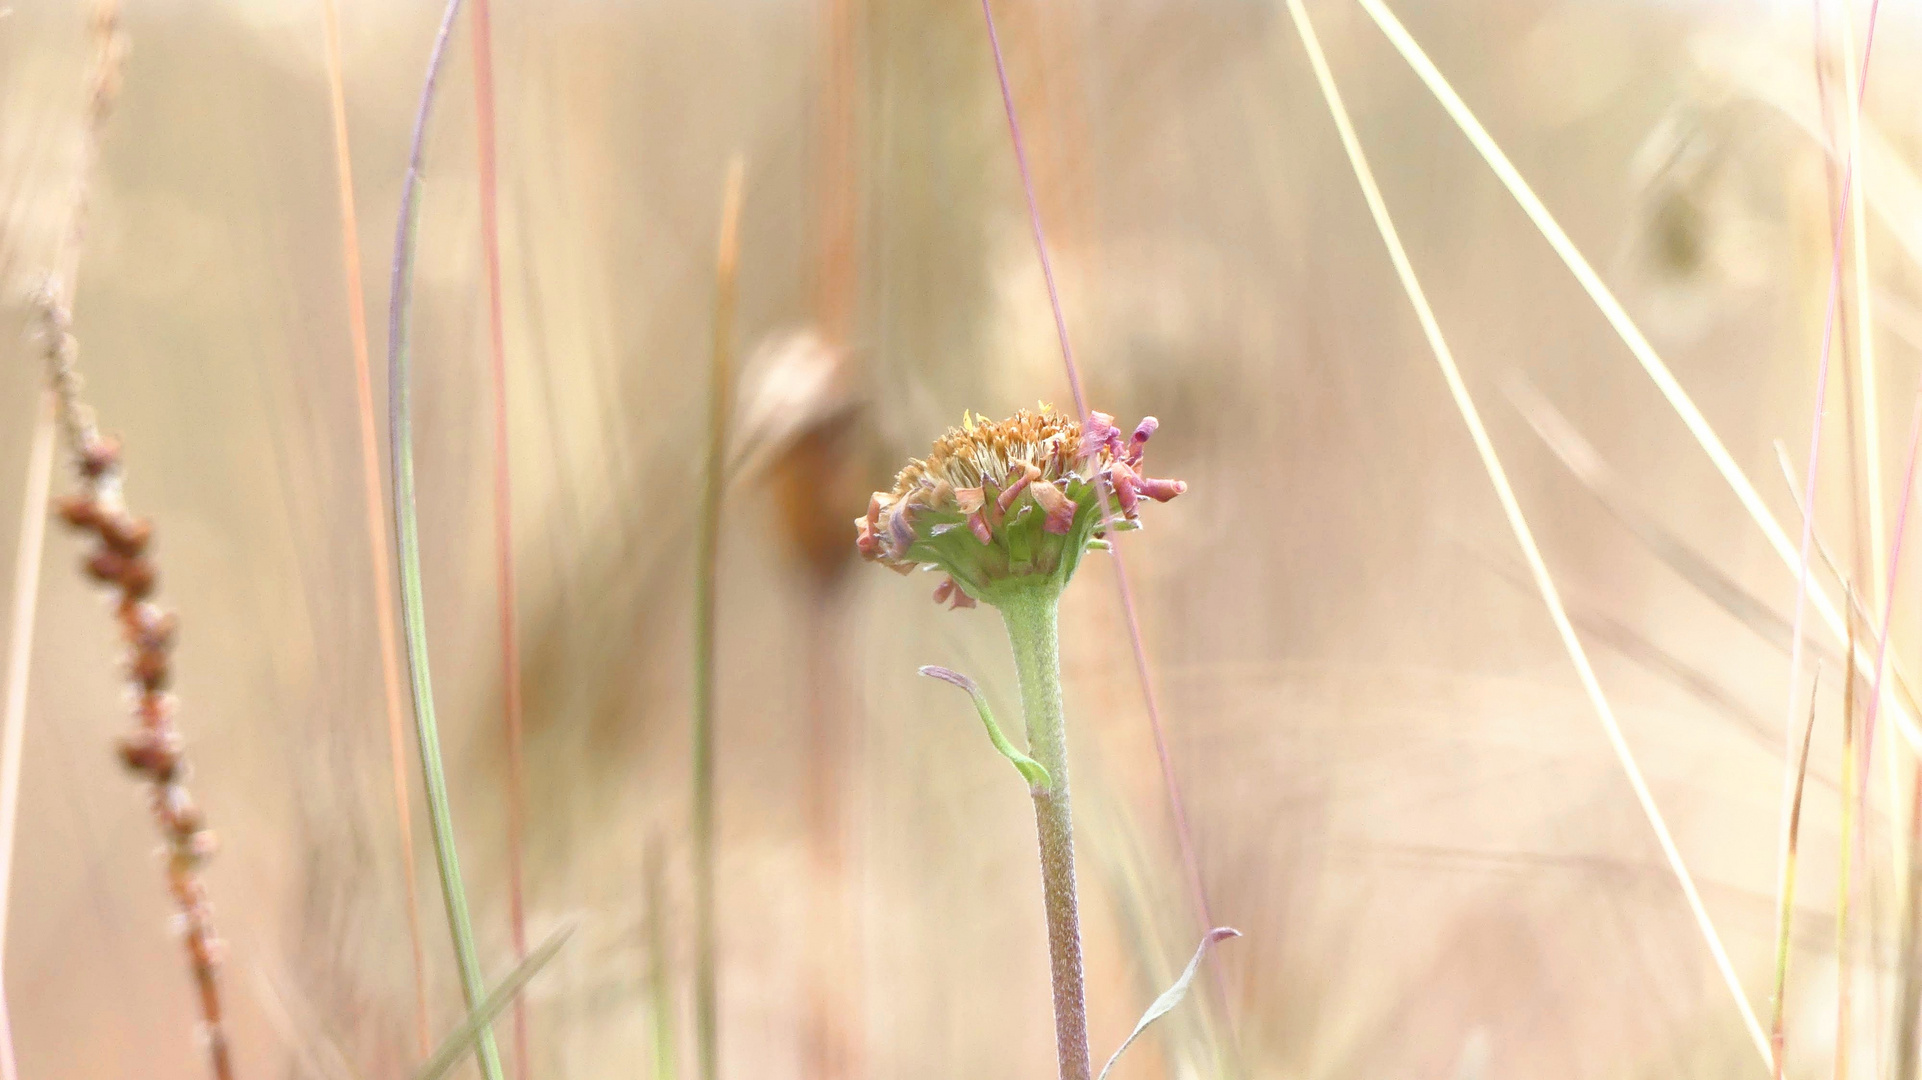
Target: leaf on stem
x=460, y=1042
x=1172, y=996
x=1032, y=770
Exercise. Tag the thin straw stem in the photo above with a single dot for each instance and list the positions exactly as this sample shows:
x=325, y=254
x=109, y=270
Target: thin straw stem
x=707, y=554
x=376, y=515
x=13, y=726
x=1785, y=921
x=509, y=630
x=1846, y=851
x=1796, y=637
x=1625, y=328
x=1511, y=509
x=407, y=540
x=1882, y=633
x=1864, y=313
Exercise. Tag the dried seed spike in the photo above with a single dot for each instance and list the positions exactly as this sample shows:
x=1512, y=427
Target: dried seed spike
x=99, y=457
x=106, y=567
x=138, y=579
x=149, y=669
x=125, y=533
x=78, y=511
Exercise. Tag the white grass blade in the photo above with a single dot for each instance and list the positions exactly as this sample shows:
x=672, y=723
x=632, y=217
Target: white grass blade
x=13, y=724
x=1172, y=996
x=1631, y=336
x=1511, y=508
x=1864, y=310
x=1871, y=404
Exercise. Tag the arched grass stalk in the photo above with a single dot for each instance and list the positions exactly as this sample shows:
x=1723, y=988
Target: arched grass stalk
x=1625, y=328
x=388, y=639
x=1511, y=509
x=407, y=539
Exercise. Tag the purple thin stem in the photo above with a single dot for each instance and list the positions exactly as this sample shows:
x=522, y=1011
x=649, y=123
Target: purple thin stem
x=1182, y=835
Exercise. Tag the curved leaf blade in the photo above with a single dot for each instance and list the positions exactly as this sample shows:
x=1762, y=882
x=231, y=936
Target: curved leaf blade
x=1172, y=996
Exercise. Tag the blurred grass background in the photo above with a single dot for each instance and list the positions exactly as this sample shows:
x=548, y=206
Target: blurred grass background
x=1397, y=790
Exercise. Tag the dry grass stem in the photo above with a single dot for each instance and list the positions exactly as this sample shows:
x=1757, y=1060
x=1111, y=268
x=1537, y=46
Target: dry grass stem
x=1785, y=909
x=707, y=554
x=28, y=551
x=1511, y=509
x=1624, y=327
x=154, y=750
x=381, y=570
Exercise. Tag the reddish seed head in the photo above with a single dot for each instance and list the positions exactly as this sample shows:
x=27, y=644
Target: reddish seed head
x=148, y=626
x=155, y=711
x=106, y=567
x=139, y=578
x=150, y=753
x=97, y=458
x=149, y=669
x=125, y=533
x=79, y=511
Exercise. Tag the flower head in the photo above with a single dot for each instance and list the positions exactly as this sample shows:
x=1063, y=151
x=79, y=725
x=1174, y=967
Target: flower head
x=1010, y=503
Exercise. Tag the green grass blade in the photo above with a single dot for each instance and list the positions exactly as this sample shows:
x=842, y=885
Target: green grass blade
x=407, y=540
x=461, y=1041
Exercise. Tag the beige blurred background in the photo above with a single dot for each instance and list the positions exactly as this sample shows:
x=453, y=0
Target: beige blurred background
x=1396, y=788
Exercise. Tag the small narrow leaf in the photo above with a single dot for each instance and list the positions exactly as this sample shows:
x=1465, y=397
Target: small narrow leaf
x=1172, y=996
x=1031, y=770
x=460, y=1042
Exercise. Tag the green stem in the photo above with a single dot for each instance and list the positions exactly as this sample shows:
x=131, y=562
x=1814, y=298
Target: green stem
x=407, y=539
x=707, y=1009
x=1030, y=616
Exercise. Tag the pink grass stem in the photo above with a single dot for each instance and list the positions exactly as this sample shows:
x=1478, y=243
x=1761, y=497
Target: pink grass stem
x=1197, y=890
x=1888, y=610
x=1867, y=751
x=1815, y=432
x=503, y=511
x=376, y=515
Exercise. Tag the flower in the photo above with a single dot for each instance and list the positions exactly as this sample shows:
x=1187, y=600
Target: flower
x=1010, y=504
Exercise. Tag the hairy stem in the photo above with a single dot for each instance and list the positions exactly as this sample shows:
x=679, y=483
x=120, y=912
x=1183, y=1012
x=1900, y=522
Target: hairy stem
x=1031, y=619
